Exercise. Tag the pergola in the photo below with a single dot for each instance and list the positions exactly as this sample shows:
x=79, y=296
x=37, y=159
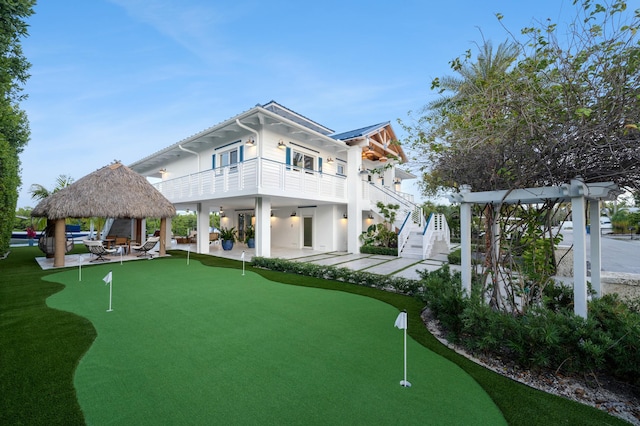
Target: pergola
x=578, y=194
x=114, y=191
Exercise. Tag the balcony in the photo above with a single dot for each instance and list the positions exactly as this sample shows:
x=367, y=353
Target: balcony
x=257, y=176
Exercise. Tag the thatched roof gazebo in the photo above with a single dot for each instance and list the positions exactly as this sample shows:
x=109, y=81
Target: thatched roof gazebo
x=114, y=191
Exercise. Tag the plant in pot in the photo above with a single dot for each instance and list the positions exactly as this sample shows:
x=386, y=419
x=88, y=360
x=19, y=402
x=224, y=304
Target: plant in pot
x=250, y=236
x=228, y=237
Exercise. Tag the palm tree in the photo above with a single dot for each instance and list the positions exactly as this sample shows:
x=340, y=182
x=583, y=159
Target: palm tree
x=39, y=192
x=475, y=77
x=481, y=79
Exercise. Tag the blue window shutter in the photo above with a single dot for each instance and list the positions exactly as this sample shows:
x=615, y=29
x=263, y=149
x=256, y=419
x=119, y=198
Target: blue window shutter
x=288, y=156
x=213, y=161
x=320, y=164
x=241, y=154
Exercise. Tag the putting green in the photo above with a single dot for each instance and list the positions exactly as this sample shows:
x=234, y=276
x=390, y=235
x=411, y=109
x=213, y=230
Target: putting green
x=191, y=344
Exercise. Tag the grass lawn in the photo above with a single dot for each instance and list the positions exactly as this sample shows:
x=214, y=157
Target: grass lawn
x=196, y=344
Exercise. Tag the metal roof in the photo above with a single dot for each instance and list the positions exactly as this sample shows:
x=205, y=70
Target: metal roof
x=364, y=131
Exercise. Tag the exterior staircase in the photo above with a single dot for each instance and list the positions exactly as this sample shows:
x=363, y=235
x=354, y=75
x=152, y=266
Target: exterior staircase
x=418, y=238
x=430, y=242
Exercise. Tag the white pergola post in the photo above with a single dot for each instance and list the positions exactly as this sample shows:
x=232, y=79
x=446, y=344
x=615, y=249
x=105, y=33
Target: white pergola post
x=596, y=249
x=263, y=226
x=577, y=193
x=465, y=240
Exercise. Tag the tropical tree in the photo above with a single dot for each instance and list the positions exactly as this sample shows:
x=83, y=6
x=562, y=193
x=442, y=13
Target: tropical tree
x=565, y=107
x=40, y=192
x=14, y=126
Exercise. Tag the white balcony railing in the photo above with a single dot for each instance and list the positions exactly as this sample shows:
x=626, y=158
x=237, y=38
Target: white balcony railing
x=255, y=176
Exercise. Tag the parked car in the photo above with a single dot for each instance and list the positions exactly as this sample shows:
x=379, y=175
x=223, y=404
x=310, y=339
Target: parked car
x=605, y=225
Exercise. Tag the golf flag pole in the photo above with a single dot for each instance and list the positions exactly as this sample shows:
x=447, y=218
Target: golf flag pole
x=401, y=323
x=108, y=279
x=80, y=259
x=242, y=257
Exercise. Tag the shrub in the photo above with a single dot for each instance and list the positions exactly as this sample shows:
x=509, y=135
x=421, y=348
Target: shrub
x=455, y=257
x=387, y=251
x=546, y=336
x=383, y=282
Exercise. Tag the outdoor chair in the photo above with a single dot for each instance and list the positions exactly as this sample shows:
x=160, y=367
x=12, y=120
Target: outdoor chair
x=96, y=248
x=146, y=246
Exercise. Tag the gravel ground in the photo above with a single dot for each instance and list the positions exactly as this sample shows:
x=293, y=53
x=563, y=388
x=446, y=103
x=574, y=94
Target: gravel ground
x=604, y=393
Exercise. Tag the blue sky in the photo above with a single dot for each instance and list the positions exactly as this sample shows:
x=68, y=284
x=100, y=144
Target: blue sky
x=121, y=79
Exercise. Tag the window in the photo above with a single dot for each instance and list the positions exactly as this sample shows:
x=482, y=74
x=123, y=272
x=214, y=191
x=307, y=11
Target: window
x=230, y=158
x=303, y=161
x=340, y=170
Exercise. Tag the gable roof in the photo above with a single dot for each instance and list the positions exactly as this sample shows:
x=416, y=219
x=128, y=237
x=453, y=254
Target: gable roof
x=364, y=131
x=378, y=141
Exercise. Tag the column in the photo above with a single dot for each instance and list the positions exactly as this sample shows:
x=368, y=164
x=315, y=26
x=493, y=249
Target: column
x=354, y=196
x=596, y=248
x=577, y=192
x=465, y=240
x=202, y=240
x=263, y=226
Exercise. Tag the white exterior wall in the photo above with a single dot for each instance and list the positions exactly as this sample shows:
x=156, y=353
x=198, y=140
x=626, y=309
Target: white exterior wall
x=285, y=230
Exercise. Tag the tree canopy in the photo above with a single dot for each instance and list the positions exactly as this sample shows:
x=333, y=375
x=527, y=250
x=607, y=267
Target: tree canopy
x=14, y=126
x=540, y=110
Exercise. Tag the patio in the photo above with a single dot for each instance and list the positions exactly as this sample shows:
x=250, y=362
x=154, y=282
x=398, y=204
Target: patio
x=377, y=264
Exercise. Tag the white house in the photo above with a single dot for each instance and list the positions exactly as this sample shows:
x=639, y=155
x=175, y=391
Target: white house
x=298, y=182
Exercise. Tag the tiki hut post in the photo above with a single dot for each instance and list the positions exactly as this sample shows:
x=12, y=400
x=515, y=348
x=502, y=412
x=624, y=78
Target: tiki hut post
x=138, y=235
x=60, y=243
x=163, y=236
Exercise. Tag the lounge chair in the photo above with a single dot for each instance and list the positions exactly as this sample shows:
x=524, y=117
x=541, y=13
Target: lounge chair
x=146, y=246
x=214, y=238
x=95, y=247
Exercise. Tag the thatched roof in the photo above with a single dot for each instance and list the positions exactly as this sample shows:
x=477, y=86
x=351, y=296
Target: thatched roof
x=113, y=191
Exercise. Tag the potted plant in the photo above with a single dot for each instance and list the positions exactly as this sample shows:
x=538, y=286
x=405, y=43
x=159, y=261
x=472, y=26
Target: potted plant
x=31, y=234
x=250, y=236
x=228, y=237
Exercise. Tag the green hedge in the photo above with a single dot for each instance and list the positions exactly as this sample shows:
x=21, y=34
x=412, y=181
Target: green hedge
x=388, y=251
x=383, y=282
x=547, y=336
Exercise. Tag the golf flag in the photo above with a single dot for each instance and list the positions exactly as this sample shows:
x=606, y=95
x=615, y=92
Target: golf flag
x=242, y=255
x=401, y=321
x=108, y=281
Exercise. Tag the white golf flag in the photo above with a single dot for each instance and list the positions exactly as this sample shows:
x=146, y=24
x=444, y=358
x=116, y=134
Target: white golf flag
x=401, y=321
x=242, y=256
x=107, y=278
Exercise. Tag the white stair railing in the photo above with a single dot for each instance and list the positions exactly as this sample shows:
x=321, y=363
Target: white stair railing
x=436, y=229
x=403, y=234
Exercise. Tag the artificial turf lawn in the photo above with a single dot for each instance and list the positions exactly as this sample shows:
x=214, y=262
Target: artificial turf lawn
x=40, y=349
x=195, y=344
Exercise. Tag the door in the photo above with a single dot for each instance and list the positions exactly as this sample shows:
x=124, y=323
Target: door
x=307, y=232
